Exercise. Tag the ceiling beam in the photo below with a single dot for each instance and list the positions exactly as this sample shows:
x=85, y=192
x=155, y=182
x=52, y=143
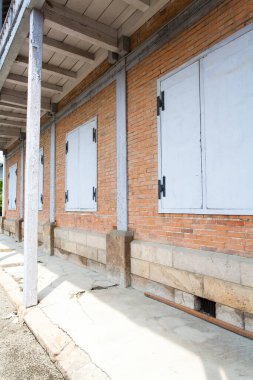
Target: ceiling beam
x=13, y=115
x=141, y=5
x=12, y=132
x=22, y=80
x=21, y=60
x=12, y=123
x=20, y=98
x=12, y=106
x=68, y=50
x=82, y=27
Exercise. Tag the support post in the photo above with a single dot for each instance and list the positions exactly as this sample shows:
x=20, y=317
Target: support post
x=118, y=241
x=52, y=173
x=122, y=218
x=21, y=214
x=3, y=192
x=4, y=186
x=48, y=228
x=19, y=221
x=32, y=159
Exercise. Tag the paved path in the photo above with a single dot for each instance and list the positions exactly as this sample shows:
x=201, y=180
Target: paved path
x=21, y=356
x=100, y=331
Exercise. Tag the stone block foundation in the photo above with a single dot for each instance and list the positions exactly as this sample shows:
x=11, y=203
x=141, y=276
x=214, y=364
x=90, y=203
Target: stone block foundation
x=182, y=275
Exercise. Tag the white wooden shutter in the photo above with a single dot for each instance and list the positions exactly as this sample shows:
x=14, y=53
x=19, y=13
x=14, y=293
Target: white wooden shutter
x=180, y=141
x=88, y=167
x=72, y=170
x=12, y=198
x=41, y=177
x=228, y=101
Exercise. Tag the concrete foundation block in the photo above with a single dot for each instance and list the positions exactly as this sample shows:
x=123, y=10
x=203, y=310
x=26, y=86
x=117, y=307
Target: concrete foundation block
x=248, y=320
x=96, y=266
x=185, y=299
x=229, y=294
x=102, y=256
x=78, y=236
x=155, y=252
x=68, y=246
x=140, y=268
x=48, y=237
x=118, y=256
x=181, y=280
x=89, y=252
x=144, y=285
x=96, y=240
x=229, y=315
x=18, y=229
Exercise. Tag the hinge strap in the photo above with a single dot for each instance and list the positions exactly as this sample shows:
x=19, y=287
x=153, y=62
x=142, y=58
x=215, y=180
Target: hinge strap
x=162, y=188
x=160, y=103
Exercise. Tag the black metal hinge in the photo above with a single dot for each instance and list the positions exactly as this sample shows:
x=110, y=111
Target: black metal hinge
x=41, y=199
x=66, y=196
x=8, y=175
x=162, y=188
x=67, y=147
x=160, y=103
x=94, y=194
x=42, y=159
x=15, y=201
x=16, y=171
x=94, y=135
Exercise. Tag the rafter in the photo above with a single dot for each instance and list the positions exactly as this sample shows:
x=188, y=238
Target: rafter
x=48, y=67
x=22, y=80
x=142, y=5
x=18, y=98
x=12, y=106
x=82, y=27
x=12, y=132
x=13, y=115
x=65, y=49
x=12, y=123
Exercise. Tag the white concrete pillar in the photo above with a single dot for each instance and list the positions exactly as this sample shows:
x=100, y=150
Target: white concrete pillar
x=21, y=213
x=4, y=185
x=32, y=159
x=122, y=211
x=52, y=174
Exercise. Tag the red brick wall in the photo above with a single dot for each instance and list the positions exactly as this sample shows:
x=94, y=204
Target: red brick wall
x=103, y=106
x=13, y=214
x=231, y=234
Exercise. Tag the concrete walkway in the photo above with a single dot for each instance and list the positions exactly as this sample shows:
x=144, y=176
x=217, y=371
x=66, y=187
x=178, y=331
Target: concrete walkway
x=21, y=356
x=93, y=329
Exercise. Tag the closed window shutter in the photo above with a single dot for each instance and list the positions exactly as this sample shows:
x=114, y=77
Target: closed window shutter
x=72, y=170
x=180, y=141
x=88, y=167
x=228, y=98
x=41, y=177
x=12, y=187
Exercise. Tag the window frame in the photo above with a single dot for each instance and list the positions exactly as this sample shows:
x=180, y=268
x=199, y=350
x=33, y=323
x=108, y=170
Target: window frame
x=16, y=169
x=83, y=210
x=199, y=58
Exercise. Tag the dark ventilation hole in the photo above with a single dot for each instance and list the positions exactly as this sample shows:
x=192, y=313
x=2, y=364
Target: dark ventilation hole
x=205, y=306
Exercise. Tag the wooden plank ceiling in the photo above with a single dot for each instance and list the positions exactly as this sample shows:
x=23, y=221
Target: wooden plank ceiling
x=78, y=35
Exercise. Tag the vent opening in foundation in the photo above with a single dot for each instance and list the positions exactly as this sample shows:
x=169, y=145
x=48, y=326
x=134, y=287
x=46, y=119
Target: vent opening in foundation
x=205, y=306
